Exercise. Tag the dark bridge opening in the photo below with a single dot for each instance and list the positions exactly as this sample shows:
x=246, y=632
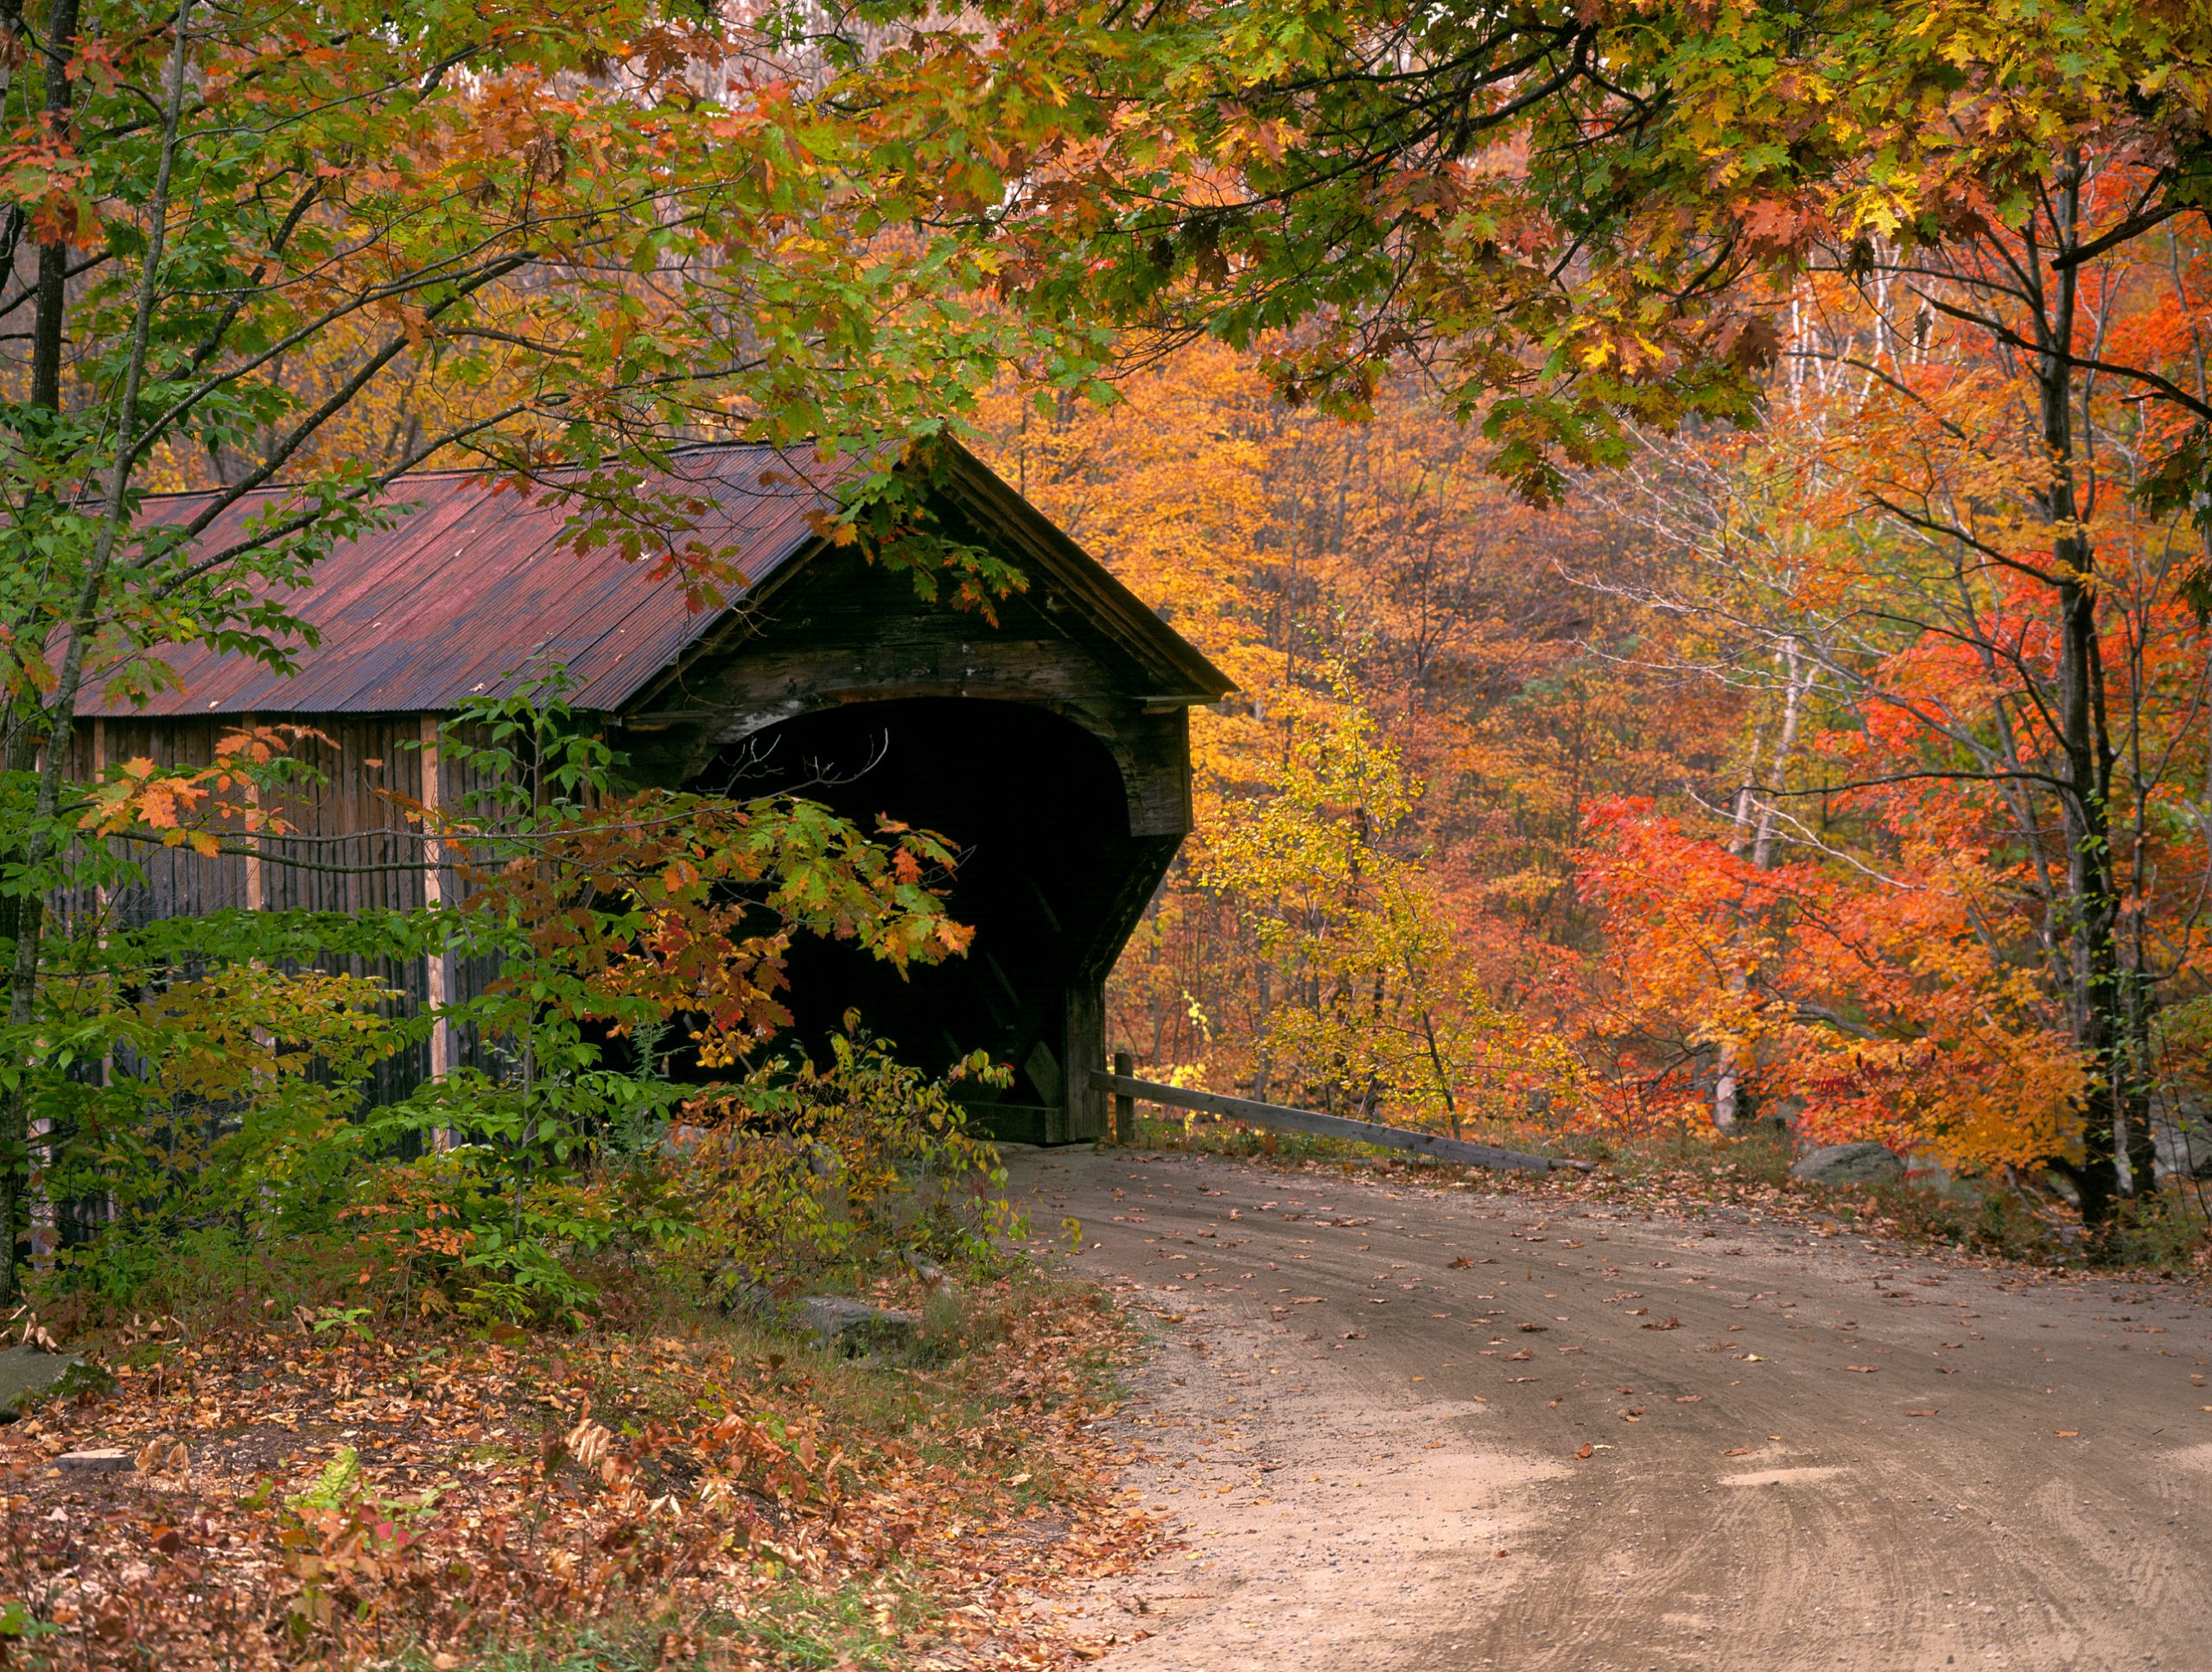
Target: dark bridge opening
x=1049, y=878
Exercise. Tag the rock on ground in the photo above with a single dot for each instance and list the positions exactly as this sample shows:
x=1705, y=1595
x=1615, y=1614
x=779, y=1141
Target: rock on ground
x=855, y=1327
x=29, y=1374
x=1849, y=1164
x=100, y=1459
x=2184, y=1145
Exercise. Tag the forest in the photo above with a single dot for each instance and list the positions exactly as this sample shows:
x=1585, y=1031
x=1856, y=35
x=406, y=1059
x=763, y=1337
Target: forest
x=1706, y=509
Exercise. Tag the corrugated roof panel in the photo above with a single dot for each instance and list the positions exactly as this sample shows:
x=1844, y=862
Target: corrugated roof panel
x=469, y=588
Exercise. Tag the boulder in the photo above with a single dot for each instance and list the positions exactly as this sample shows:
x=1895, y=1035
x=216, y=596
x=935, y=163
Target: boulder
x=29, y=1374
x=2184, y=1145
x=1849, y=1164
x=853, y=1327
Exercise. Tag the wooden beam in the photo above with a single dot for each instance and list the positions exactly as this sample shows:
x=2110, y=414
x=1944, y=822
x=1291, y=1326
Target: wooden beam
x=1333, y=1126
x=1083, y=1033
x=254, y=900
x=436, y=985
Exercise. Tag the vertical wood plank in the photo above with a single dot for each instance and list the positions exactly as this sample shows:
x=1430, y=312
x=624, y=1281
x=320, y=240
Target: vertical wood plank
x=99, y=767
x=253, y=879
x=434, y=896
x=1085, y=1037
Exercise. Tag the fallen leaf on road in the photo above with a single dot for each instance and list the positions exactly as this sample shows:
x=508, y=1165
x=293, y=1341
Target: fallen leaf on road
x=1585, y=1452
x=1305, y=1299
x=1461, y=1264
x=1665, y=1324
x=1687, y=1399
x=2068, y=1433
x=1534, y=1329
x=1740, y=1451
x=1920, y=1413
x=1863, y=1369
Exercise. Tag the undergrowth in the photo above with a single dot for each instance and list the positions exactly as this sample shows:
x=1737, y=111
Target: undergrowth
x=800, y=1626
x=685, y=1489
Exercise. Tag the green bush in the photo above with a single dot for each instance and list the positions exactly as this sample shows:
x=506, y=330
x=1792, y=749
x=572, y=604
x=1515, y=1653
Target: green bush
x=805, y=1175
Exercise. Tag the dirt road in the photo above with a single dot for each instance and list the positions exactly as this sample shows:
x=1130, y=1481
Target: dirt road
x=1371, y=1404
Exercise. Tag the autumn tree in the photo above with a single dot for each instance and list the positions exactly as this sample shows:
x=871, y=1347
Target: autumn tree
x=2057, y=286
x=1874, y=576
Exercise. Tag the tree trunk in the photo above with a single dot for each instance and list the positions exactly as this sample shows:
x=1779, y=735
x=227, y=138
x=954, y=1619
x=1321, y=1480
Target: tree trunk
x=47, y=333
x=1737, y=1066
x=2103, y=1016
x=2138, y=1145
x=59, y=717
x=2098, y=1005
x=23, y=920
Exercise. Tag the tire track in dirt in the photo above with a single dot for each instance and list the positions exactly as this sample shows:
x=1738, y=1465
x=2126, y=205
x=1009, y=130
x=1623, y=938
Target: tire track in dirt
x=1805, y=1452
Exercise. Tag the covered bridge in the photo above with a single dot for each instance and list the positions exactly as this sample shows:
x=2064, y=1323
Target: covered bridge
x=1052, y=747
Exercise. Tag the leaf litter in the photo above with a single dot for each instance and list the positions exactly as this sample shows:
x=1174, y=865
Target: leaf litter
x=332, y=1502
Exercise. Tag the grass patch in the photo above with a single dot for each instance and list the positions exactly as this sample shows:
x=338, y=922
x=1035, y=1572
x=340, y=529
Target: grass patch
x=861, y=1624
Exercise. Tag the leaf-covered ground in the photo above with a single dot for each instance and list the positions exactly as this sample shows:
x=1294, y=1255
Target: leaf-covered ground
x=1749, y=1180
x=696, y=1495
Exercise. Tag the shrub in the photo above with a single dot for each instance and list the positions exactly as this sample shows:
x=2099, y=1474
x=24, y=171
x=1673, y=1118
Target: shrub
x=806, y=1173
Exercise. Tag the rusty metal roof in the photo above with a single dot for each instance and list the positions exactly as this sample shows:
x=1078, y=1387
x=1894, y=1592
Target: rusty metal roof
x=470, y=588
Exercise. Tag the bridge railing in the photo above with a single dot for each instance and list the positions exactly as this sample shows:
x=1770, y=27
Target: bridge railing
x=1127, y=1091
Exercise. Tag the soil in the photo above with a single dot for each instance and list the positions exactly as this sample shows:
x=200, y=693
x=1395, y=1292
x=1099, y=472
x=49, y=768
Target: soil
x=1401, y=1427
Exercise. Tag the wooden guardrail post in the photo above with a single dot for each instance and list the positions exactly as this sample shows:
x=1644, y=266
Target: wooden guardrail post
x=1125, y=1107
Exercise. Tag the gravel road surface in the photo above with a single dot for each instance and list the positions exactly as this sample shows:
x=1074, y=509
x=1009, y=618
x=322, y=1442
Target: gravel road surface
x=1402, y=1427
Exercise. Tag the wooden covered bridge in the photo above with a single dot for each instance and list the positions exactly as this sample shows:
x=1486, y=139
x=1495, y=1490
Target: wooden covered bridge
x=1052, y=747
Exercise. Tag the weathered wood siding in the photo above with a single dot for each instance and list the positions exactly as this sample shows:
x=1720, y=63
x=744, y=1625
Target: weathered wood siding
x=348, y=847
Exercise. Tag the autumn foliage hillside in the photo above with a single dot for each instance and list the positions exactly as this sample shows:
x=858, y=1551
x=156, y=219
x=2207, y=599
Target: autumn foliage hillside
x=1726, y=791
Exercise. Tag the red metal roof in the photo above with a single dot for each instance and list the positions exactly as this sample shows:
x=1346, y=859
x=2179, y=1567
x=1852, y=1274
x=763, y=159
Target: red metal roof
x=469, y=588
